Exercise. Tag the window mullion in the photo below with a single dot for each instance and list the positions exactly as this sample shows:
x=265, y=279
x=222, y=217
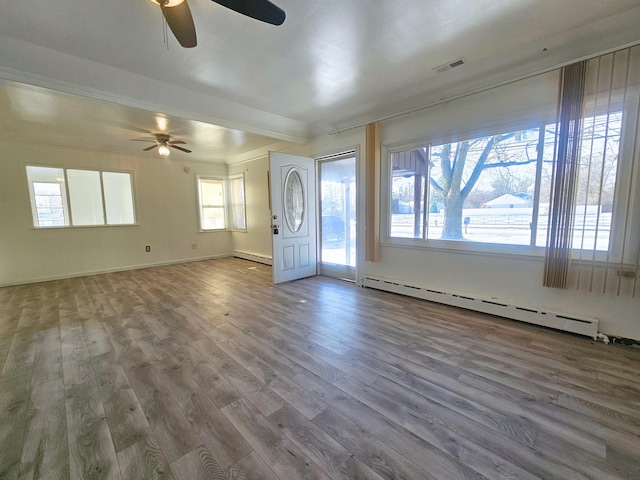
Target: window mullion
x=226, y=204
x=68, y=197
x=104, y=203
x=427, y=187
x=537, y=187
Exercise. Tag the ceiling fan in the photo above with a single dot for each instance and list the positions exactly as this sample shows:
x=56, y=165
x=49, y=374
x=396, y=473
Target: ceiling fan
x=162, y=143
x=178, y=15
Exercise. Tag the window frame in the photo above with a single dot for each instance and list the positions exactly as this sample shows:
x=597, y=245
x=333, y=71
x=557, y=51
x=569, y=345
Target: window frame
x=386, y=195
x=66, y=196
x=441, y=245
x=471, y=247
x=454, y=246
x=35, y=208
x=222, y=180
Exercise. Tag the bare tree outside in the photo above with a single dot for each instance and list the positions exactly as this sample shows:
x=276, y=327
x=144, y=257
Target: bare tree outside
x=458, y=167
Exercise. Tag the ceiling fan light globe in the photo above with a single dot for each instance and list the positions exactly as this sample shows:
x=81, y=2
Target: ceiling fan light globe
x=164, y=151
x=168, y=3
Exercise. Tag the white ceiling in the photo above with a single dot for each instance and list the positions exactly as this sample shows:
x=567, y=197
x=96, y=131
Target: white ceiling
x=98, y=73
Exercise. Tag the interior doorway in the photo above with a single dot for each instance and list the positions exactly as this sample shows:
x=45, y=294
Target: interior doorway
x=337, y=224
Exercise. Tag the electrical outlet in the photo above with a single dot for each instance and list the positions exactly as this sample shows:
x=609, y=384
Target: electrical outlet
x=194, y=246
x=147, y=248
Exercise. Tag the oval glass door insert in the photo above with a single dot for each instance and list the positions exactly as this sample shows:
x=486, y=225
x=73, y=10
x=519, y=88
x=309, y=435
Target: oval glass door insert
x=293, y=200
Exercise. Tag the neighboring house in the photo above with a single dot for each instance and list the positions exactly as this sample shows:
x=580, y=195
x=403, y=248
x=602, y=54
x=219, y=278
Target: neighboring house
x=507, y=201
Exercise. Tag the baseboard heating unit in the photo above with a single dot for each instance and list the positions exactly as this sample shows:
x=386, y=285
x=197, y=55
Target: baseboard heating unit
x=253, y=257
x=558, y=321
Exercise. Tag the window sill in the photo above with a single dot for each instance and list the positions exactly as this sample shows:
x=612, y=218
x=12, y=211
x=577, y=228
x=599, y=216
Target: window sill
x=213, y=230
x=466, y=248
x=517, y=252
x=69, y=227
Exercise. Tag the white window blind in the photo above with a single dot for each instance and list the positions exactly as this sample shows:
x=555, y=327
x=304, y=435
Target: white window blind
x=237, y=203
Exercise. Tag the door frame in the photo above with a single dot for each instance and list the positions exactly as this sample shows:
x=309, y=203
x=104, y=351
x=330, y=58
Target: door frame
x=339, y=271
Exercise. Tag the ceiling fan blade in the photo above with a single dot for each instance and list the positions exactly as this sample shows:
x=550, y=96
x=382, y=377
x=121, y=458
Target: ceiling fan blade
x=125, y=126
x=142, y=140
x=150, y=148
x=176, y=142
x=180, y=148
x=262, y=10
x=181, y=24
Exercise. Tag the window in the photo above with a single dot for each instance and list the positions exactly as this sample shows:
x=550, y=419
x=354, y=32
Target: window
x=85, y=194
x=48, y=204
x=72, y=197
x=237, y=203
x=211, y=202
x=408, y=174
x=494, y=189
x=483, y=189
x=596, y=184
x=117, y=198
x=216, y=208
x=480, y=189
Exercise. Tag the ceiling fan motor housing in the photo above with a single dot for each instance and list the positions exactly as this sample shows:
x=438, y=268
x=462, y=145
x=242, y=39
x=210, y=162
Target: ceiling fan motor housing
x=162, y=138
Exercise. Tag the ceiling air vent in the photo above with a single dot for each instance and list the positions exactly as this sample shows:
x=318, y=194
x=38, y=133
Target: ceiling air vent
x=449, y=65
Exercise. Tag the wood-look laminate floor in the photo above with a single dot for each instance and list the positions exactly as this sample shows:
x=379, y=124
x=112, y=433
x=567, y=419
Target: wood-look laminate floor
x=208, y=371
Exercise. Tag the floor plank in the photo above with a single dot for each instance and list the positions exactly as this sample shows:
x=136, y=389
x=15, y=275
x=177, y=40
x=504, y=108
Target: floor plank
x=14, y=410
x=171, y=428
x=91, y=451
x=326, y=452
x=198, y=464
x=126, y=420
x=46, y=452
x=250, y=467
x=144, y=461
x=282, y=455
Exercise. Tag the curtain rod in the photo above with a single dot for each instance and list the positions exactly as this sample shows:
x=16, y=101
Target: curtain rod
x=488, y=88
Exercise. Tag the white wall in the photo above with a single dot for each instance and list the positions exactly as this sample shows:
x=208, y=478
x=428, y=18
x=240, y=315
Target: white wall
x=166, y=214
x=509, y=278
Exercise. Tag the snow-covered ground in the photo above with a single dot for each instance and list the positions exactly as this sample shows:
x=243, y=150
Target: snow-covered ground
x=505, y=226
x=512, y=226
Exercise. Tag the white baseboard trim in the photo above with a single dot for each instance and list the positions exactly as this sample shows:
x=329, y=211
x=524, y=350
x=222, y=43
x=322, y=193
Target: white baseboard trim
x=254, y=257
x=110, y=270
x=559, y=321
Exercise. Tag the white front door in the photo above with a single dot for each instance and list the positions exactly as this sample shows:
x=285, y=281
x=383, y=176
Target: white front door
x=293, y=210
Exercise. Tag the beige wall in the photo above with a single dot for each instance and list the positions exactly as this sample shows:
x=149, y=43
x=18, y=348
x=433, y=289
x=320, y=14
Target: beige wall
x=166, y=213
